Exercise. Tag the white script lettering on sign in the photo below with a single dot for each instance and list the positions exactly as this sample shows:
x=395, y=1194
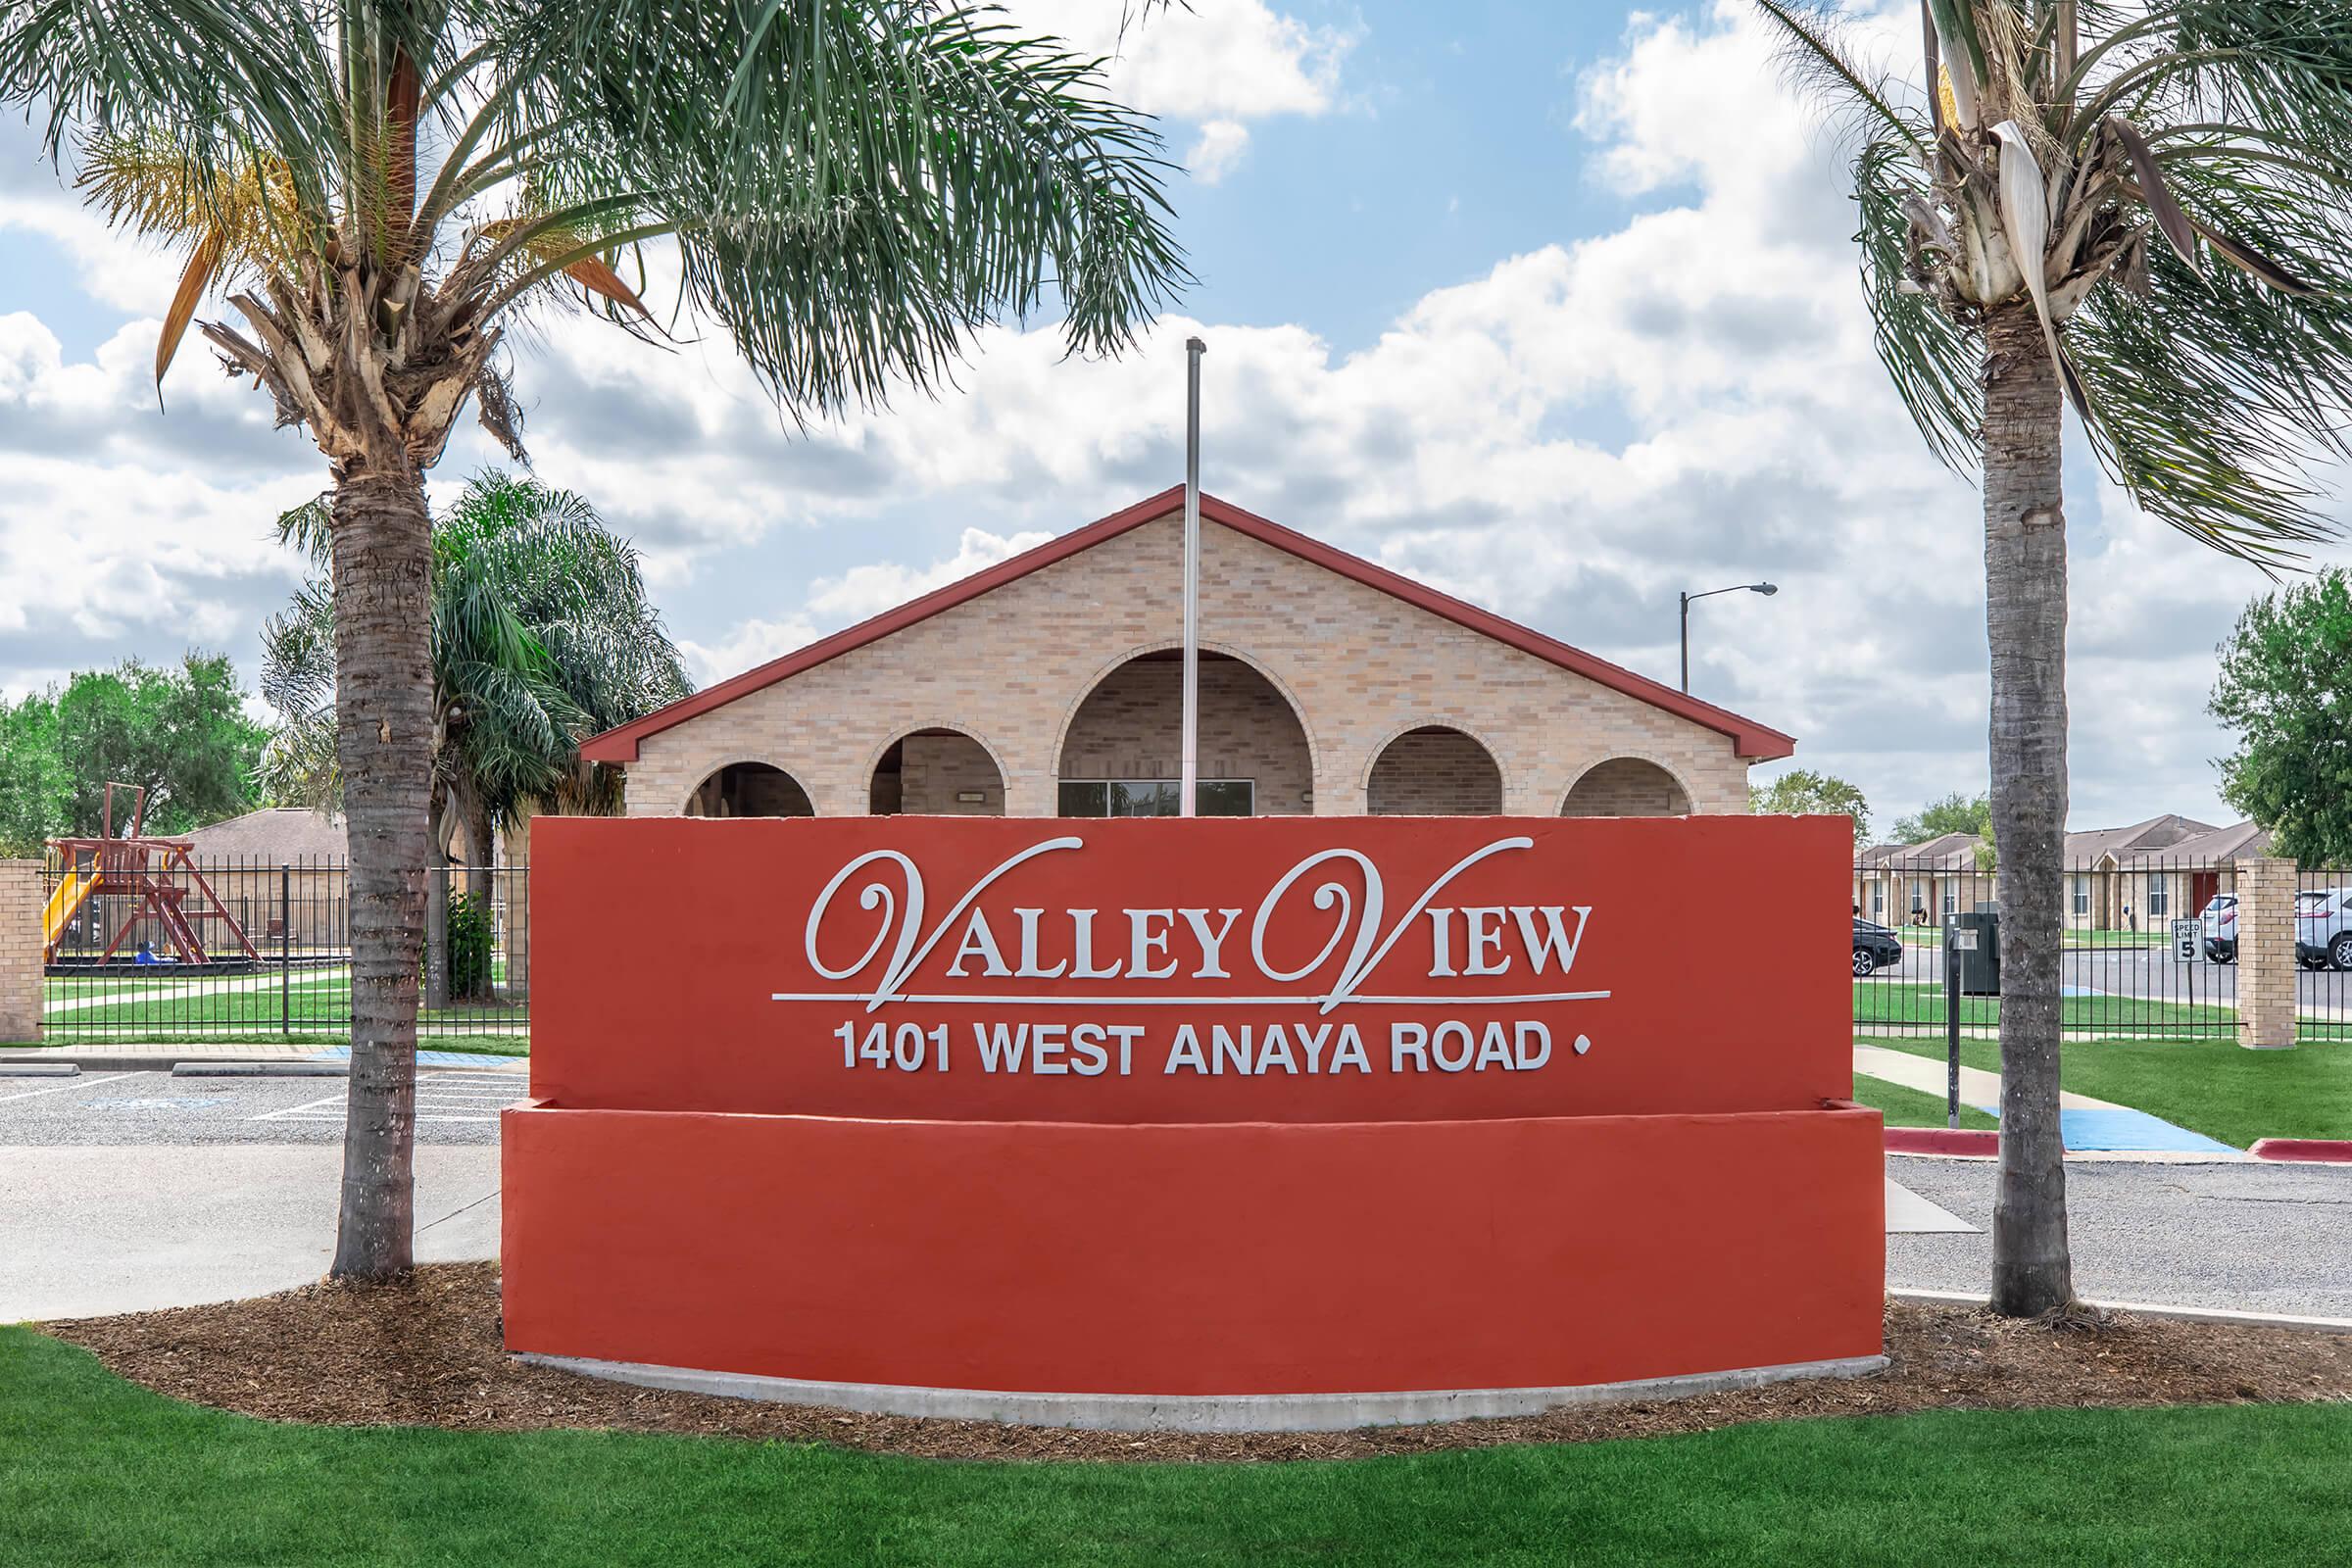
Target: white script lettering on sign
x=1539, y=941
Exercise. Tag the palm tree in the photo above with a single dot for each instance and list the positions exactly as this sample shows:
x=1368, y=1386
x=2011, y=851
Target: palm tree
x=2146, y=209
x=848, y=188
x=542, y=635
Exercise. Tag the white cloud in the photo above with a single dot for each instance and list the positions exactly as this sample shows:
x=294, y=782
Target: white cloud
x=1219, y=147
x=855, y=595
x=1220, y=63
x=753, y=643
x=109, y=264
x=868, y=590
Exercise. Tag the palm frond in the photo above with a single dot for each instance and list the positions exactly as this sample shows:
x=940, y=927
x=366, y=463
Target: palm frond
x=1930, y=359
x=1812, y=51
x=226, y=84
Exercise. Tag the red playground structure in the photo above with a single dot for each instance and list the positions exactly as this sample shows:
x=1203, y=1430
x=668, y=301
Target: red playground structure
x=156, y=875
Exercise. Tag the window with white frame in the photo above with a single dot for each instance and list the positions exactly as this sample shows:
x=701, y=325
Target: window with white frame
x=1951, y=898
x=2079, y=887
x=2160, y=895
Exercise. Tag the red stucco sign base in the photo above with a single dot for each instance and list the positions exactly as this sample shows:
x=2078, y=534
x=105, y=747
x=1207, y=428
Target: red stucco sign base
x=1270, y=1108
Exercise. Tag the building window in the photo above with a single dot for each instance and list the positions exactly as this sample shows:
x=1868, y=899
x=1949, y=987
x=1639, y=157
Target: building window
x=1877, y=897
x=1156, y=797
x=1951, y=899
x=2078, y=891
x=2160, y=896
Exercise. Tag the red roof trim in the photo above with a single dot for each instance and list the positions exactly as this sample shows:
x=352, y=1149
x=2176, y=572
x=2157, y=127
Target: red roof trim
x=1750, y=738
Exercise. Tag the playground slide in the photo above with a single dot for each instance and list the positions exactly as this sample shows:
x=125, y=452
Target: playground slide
x=64, y=903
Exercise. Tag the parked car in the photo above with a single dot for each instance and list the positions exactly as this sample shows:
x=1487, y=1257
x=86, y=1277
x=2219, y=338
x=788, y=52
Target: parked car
x=2221, y=928
x=2323, y=928
x=1875, y=948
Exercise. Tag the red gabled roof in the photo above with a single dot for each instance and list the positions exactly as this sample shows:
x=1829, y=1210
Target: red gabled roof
x=1750, y=738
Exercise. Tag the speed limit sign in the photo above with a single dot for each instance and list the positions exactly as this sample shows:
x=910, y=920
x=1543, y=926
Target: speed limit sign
x=2187, y=938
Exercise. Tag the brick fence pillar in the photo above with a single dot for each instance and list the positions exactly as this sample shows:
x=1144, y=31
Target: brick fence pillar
x=2266, y=953
x=517, y=872
x=21, y=901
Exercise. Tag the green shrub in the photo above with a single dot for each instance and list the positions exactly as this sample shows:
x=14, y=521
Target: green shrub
x=468, y=948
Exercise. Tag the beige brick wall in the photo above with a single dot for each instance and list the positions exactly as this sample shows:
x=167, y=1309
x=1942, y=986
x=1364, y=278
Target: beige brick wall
x=1013, y=666
x=20, y=899
x=1433, y=772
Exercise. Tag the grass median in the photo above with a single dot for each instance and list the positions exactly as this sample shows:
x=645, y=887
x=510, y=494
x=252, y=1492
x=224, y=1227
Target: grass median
x=2211, y=1086
x=1903, y=1106
x=104, y=1472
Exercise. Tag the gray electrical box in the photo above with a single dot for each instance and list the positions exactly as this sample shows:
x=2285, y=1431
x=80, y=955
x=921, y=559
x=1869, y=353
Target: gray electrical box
x=1980, y=962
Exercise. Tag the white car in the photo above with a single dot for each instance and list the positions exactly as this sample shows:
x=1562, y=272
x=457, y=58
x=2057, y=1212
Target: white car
x=2221, y=928
x=2323, y=928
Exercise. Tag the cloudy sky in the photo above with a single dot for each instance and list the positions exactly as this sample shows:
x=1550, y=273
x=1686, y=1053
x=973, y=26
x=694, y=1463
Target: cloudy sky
x=1552, y=305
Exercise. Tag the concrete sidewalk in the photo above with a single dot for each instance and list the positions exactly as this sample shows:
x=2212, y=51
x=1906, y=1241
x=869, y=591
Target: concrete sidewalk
x=93, y=1230
x=2088, y=1126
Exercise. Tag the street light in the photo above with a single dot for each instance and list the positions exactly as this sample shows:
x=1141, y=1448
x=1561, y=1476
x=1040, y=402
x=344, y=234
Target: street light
x=1764, y=588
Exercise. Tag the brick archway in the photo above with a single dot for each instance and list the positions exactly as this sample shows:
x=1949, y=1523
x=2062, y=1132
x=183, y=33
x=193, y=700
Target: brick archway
x=1126, y=730
x=1626, y=786
x=1434, y=770
x=937, y=771
x=748, y=787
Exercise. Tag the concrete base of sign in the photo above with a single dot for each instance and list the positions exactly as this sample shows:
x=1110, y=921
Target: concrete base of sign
x=1238, y=1412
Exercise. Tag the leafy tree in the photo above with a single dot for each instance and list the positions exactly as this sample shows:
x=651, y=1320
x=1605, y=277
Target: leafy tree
x=2143, y=208
x=33, y=783
x=541, y=635
x=2285, y=689
x=382, y=188
x=180, y=732
x=1803, y=792
x=1953, y=813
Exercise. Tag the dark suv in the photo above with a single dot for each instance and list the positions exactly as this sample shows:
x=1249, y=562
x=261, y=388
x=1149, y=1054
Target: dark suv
x=1875, y=948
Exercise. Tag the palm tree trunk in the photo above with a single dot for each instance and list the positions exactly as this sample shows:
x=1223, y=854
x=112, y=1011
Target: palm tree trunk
x=383, y=712
x=2024, y=617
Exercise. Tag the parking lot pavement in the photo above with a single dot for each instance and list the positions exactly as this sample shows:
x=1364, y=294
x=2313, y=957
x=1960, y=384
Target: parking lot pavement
x=123, y=1191
x=91, y=1230
x=153, y=1107
x=2254, y=1237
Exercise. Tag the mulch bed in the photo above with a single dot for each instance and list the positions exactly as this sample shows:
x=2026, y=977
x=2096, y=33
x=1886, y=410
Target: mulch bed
x=427, y=1352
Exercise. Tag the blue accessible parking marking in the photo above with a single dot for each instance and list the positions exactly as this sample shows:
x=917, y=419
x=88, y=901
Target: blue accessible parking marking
x=431, y=1058
x=2119, y=1128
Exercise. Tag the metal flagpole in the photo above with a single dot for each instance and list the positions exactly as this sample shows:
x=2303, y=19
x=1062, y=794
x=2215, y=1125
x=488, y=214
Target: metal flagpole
x=1190, y=782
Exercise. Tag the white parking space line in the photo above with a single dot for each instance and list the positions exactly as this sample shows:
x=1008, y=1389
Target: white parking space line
x=440, y=1097
x=286, y=1112
x=77, y=1083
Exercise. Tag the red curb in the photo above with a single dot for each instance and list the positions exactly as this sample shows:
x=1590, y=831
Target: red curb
x=2325, y=1151
x=1942, y=1140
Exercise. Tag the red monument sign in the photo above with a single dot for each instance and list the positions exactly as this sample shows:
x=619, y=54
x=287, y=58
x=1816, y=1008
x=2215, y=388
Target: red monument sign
x=1254, y=1122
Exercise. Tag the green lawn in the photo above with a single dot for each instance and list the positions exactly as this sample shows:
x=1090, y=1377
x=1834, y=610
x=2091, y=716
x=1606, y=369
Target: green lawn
x=2213, y=1086
x=1902, y=1107
x=103, y=1472
x=315, y=1003
x=1896, y=1003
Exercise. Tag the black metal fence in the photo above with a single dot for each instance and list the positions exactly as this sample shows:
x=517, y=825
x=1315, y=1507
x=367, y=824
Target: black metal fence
x=2121, y=972
x=230, y=949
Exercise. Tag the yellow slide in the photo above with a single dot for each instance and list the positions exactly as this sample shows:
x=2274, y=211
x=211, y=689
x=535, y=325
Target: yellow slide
x=64, y=903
